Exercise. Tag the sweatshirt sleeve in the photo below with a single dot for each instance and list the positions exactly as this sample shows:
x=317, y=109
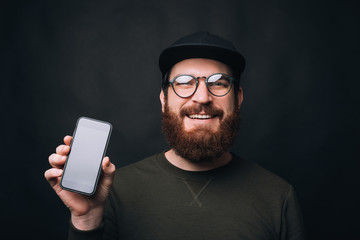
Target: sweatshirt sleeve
x=292, y=226
x=94, y=234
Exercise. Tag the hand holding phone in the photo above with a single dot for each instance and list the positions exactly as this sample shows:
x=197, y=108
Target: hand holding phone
x=83, y=208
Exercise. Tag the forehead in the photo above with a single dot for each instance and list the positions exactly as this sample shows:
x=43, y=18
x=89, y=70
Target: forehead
x=199, y=67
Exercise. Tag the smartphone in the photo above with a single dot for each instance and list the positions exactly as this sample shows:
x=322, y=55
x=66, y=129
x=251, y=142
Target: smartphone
x=87, y=149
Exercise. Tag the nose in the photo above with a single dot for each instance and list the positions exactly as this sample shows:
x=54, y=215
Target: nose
x=202, y=95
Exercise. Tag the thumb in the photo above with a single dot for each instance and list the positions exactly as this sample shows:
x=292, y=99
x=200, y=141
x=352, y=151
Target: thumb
x=108, y=171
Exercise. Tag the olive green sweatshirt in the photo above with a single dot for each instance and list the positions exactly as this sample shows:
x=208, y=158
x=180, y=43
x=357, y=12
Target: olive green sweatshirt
x=152, y=199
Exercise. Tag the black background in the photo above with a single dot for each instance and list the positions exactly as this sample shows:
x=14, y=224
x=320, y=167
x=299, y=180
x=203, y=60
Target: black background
x=64, y=59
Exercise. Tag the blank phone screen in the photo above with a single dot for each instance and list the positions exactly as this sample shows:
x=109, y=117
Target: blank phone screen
x=87, y=150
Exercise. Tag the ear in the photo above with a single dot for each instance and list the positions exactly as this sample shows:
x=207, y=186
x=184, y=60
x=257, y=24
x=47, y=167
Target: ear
x=240, y=97
x=162, y=100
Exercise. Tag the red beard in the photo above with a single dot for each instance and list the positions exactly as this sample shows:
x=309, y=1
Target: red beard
x=201, y=144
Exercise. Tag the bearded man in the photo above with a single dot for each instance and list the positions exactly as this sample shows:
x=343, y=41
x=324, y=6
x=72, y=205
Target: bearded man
x=197, y=189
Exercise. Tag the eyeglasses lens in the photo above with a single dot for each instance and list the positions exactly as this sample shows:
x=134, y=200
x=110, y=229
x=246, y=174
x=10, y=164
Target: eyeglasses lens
x=219, y=84
x=184, y=85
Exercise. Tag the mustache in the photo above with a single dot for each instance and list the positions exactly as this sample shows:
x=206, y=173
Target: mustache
x=208, y=109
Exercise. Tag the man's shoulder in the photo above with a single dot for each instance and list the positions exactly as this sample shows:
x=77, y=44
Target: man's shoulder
x=257, y=176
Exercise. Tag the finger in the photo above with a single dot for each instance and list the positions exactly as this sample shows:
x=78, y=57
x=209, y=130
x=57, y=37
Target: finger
x=107, y=166
x=63, y=150
x=52, y=175
x=56, y=160
x=67, y=140
x=106, y=162
x=108, y=171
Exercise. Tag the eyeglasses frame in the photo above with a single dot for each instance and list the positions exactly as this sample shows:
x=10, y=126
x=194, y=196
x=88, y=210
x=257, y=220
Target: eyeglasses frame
x=232, y=80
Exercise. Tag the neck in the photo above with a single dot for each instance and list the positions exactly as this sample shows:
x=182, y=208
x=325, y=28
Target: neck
x=185, y=164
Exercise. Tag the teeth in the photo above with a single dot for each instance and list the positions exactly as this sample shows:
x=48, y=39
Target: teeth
x=194, y=116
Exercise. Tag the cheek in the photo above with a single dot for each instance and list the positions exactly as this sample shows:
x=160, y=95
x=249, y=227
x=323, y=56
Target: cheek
x=228, y=105
x=231, y=102
x=174, y=103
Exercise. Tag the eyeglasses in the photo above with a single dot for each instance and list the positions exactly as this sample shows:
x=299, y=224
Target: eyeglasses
x=218, y=84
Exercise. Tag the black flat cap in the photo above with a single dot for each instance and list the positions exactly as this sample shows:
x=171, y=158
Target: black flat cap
x=202, y=45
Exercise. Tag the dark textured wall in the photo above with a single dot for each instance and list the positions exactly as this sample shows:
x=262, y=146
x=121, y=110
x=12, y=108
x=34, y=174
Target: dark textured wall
x=65, y=59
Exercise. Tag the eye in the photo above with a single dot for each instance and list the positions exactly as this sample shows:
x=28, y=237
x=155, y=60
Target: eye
x=219, y=80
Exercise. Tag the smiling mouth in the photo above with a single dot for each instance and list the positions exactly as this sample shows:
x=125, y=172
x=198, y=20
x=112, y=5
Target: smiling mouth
x=201, y=116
